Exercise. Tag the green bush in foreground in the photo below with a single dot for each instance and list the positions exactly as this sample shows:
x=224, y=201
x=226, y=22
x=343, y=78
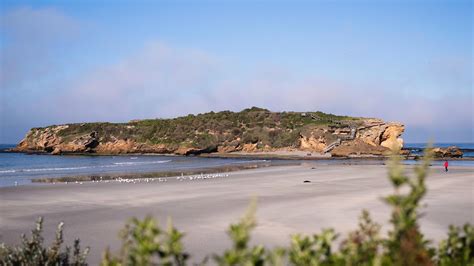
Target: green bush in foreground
x=145, y=243
x=32, y=252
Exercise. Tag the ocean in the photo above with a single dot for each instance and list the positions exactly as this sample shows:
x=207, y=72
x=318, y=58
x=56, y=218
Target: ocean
x=20, y=168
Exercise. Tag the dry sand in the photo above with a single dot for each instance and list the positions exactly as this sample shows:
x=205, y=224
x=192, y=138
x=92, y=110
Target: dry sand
x=204, y=208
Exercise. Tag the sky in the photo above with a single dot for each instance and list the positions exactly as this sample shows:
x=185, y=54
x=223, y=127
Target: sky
x=86, y=61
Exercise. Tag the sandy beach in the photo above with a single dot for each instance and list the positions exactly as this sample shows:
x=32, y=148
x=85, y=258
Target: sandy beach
x=203, y=209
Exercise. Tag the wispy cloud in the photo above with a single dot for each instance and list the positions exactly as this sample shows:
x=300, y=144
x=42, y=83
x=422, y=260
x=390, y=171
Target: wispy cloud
x=30, y=39
x=162, y=80
x=140, y=85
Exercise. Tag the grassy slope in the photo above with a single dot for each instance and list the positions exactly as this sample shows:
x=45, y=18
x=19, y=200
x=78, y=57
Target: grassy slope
x=248, y=126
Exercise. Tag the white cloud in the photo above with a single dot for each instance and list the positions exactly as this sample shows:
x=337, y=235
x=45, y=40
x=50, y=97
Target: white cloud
x=139, y=86
x=165, y=81
x=161, y=81
x=30, y=37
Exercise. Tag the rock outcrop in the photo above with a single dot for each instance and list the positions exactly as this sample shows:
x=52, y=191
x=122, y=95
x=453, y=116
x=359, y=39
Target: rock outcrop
x=313, y=143
x=251, y=130
x=359, y=148
x=376, y=132
x=367, y=137
x=41, y=139
x=449, y=152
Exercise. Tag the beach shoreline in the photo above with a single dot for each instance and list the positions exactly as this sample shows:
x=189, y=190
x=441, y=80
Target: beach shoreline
x=158, y=174
x=303, y=155
x=273, y=155
x=257, y=161
x=203, y=208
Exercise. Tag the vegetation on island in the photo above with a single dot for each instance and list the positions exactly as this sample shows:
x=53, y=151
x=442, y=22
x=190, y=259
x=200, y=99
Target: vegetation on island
x=252, y=125
x=144, y=242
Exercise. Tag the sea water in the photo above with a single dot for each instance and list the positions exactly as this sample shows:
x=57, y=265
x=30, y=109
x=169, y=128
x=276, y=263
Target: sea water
x=20, y=168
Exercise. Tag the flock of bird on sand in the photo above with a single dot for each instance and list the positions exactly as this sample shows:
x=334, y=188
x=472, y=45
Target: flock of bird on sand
x=159, y=179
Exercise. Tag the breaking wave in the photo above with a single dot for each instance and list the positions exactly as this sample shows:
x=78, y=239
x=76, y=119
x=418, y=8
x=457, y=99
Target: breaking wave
x=142, y=163
x=80, y=167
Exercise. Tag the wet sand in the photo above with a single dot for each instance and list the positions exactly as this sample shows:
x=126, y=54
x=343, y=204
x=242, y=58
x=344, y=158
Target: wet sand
x=203, y=209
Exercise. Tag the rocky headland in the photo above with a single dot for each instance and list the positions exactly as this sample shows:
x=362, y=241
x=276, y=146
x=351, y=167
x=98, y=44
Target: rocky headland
x=251, y=130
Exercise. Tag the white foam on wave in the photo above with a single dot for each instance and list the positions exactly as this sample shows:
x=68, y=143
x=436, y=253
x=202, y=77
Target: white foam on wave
x=80, y=167
x=54, y=169
x=7, y=171
x=141, y=163
x=250, y=161
x=44, y=169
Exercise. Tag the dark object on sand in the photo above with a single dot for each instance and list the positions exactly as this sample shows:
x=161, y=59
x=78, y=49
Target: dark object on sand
x=306, y=181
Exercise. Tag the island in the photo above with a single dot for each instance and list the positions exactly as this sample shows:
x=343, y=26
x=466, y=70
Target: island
x=252, y=130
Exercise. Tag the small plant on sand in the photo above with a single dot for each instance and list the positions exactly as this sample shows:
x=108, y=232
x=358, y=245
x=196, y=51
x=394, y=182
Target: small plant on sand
x=458, y=248
x=406, y=245
x=241, y=252
x=312, y=250
x=364, y=245
x=33, y=252
x=145, y=243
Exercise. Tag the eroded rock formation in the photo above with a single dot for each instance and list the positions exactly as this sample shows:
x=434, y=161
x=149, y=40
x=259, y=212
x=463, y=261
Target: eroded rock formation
x=251, y=130
x=369, y=136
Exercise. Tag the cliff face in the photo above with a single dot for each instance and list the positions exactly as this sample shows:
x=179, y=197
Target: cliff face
x=250, y=130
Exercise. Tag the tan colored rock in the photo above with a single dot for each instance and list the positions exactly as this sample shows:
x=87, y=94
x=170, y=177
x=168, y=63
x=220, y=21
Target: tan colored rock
x=117, y=147
x=371, y=132
x=56, y=151
x=70, y=148
x=268, y=148
x=449, y=152
x=312, y=143
x=358, y=147
x=48, y=139
x=377, y=133
x=41, y=139
x=23, y=145
x=185, y=150
x=226, y=149
x=391, y=136
x=249, y=147
x=158, y=148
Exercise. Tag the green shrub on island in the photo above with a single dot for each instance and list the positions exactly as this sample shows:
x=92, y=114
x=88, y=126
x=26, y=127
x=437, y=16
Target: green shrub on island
x=251, y=125
x=144, y=242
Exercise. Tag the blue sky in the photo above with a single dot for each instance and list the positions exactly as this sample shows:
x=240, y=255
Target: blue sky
x=76, y=61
